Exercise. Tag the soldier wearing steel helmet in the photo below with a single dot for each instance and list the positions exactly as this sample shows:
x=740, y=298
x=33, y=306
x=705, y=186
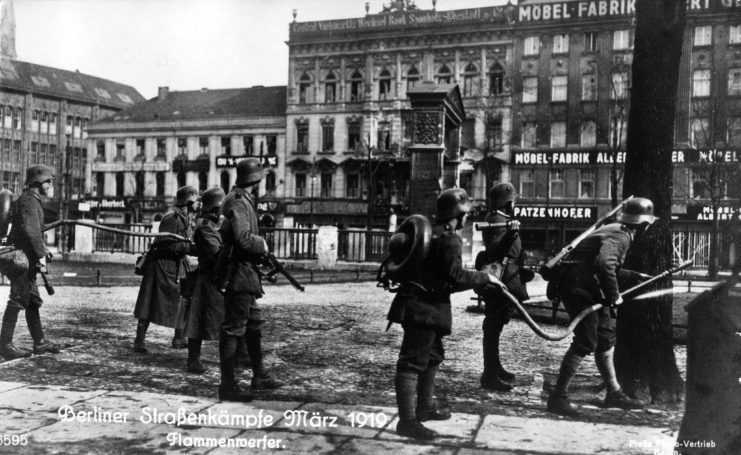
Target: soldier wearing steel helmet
x=27, y=219
x=206, y=309
x=503, y=248
x=239, y=232
x=592, y=273
x=159, y=301
x=422, y=307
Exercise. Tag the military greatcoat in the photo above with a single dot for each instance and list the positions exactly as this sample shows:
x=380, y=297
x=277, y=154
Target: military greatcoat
x=159, y=299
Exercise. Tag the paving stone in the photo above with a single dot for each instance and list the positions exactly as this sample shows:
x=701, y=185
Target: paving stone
x=134, y=402
x=362, y=446
x=7, y=385
x=75, y=431
x=459, y=429
x=15, y=421
x=45, y=398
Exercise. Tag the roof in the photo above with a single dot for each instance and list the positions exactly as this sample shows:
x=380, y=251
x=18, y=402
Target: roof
x=70, y=85
x=258, y=101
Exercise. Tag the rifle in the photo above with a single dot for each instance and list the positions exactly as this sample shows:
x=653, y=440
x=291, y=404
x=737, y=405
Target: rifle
x=484, y=226
x=276, y=267
x=545, y=270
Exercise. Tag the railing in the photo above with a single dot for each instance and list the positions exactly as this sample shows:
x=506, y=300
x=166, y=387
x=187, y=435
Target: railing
x=362, y=246
x=119, y=243
x=691, y=240
x=291, y=243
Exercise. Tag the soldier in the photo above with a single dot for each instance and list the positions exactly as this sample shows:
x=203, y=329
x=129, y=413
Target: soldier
x=590, y=274
x=206, y=310
x=159, y=298
x=422, y=307
x=27, y=218
x=242, y=317
x=504, y=249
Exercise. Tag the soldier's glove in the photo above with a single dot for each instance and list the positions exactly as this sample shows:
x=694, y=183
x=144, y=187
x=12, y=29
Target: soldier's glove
x=495, y=281
x=41, y=265
x=49, y=256
x=513, y=225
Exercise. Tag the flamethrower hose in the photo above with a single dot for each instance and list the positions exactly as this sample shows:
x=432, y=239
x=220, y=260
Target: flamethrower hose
x=101, y=227
x=587, y=311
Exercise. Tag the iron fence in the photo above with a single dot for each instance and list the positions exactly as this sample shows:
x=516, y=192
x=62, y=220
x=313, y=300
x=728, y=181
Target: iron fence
x=112, y=242
x=291, y=243
x=362, y=246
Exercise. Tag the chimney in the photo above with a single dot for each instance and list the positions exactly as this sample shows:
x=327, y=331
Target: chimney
x=162, y=93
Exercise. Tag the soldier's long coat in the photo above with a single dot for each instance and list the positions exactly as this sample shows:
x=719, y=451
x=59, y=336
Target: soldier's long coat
x=159, y=299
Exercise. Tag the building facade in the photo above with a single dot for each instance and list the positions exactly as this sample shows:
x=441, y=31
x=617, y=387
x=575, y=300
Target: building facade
x=139, y=157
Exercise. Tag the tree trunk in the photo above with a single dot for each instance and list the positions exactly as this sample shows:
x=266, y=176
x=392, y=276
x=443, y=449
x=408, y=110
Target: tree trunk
x=644, y=355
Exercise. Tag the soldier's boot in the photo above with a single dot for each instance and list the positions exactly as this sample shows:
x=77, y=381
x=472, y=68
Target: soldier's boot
x=261, y=378
x=194, y=356
x=558, y=402
x=7, y=349
x=141, y=334
x=41, y=344
x=615, y=397
x=229, y=390
x=178, y=340
x=427, y=408
x=243, y=358
x=494, y=375
x=405, y=384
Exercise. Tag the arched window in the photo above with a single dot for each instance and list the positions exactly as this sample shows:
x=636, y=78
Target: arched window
x=202, y=181
x=412, y=77
x=181, y=179
x=304, y=85
x=225, y=184
x=330, y=88
x=496, y=79
x=384, y=85
x=444, y=75
x=470, y=74
x=356, y=86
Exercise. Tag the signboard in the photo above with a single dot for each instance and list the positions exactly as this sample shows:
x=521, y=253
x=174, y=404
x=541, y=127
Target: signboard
x=701, y=156
x=191, y=166
x=105, y=204
x=705, y=213
x=228, y=161
x=328, y=207
x=136, y=166
x=556, y=212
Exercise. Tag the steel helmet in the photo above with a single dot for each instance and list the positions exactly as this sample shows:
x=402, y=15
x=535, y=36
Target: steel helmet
x=212, y=198
x=249, y=171
x=186, y=194
x=451, y=203
x=637, y=211
x=38, y=173
x=501, y=193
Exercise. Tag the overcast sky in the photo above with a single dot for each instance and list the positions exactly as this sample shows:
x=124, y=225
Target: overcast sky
x=183, y=44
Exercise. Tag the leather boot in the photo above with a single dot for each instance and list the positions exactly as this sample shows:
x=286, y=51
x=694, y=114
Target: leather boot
x=261, y=379
x=178, y=340
x=405, y=384
x=494, y=376
x=194, y=356
x=41, y=345
x=243, y=358
x=141, y=333
x=7, y=349
x=427, y=409
x=229, y=390
x=558, y=402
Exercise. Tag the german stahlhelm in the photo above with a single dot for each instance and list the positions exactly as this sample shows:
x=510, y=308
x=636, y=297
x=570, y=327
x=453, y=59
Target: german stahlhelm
x=186, y=194
x=212, y=198
x=249, y=171
x=638, y=210
x=501, y=193
x=451, y=203
x=408, y=248
x=38, y=173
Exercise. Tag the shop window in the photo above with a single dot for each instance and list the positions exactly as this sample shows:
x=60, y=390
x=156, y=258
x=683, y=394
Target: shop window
x=330, y=88
x=384, y=85
x=558, y=134
x=529, y=89
x=496, y=79
x=589, y=87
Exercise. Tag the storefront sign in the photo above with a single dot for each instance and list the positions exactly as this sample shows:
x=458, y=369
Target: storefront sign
x=706, y=156
x=701, y=156
x=136, y=166
x=268, y=206
x=705, y=213
x=328, y=207
x=556, y=212
x=585, y=9
x=227, y=161
x=190, y=166
x=105, y=204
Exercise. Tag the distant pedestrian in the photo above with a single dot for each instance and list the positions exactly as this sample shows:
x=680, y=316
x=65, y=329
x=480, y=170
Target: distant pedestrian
x=159, y=301
x=27, y=219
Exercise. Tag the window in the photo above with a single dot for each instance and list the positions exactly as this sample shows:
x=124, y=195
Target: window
x=619, y=86
x=618, y=130
x=556, y=184
x=18, y=121
x=589, y=87
x=468, y=136
x=699, y=185
x=34, y=152
x=272, y=144
x=494, y=133
x=35, y=120
x=69, y=126
x=353, y=136
x=496, y=79
x=225, y=181
x=100, y=150
x=83, y=128
x=52, y=123
x=330, y=88
x=529, y=89
x=8, y=118
x=327, y=137
x=532, y=45
x=160, y=184
x=270, y=182
x=586, y=183
x=304, y=85
x=300, y=189
x=202, y=181
x=139, y=178
x=699, y=133
x=120, y=151
x=384, y=85
x=161, y=148
x=470, y=74
x=202, y=146
x=701, y=83
x=226, y=145
x=734, y=131
x=703, y=36
x=16, y=151
x=302, y=138
x=352, y=187
x=182, y=146
x=384, y=136
x=529, y=135
x=356, y=87
x=326, y=184
x=444, y=75
x=249, y=145
x=99, y=184
x=527, y=183
x=590, y=42
x=734, y=34
x=559, y=88
x=78, y=127
x=588, y=134
x=561, y=44
x=412, y=77
x=734, y=81
x=622, y=40
x=181, y=179
x=119, y=184
x=558, y=134
x=43, y=128
x=407, y=124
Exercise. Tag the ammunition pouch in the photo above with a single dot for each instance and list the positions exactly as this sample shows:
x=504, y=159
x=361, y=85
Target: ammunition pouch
x=13, y=262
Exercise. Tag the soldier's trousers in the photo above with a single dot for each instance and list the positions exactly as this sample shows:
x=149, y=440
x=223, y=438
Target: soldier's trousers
x=420, y=349
x=596, y=332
